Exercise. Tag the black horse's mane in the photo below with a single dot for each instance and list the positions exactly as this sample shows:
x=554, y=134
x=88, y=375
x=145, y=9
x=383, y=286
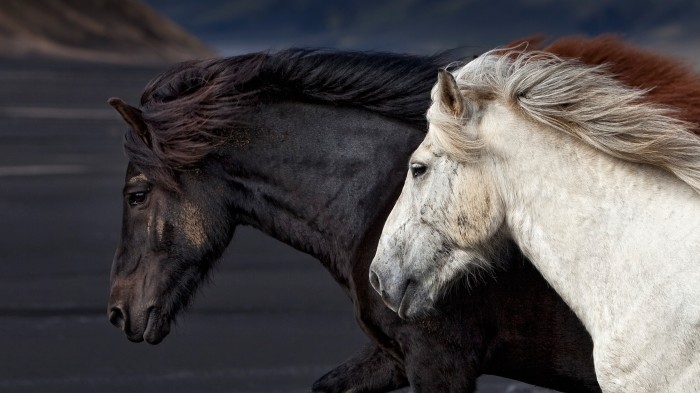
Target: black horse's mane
x=196, y=106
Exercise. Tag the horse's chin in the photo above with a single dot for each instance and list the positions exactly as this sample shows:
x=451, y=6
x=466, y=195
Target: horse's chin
x=157, y=328
x=415, y=303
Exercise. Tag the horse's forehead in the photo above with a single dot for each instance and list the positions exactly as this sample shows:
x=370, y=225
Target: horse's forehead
x=136, y=178
x=131, y=171
x=134, y=175
x=425, y=149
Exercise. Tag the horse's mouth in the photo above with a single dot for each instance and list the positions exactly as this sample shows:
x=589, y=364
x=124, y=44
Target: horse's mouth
x=156, y=329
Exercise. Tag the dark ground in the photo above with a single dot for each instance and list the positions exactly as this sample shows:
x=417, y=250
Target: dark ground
x=272, y=320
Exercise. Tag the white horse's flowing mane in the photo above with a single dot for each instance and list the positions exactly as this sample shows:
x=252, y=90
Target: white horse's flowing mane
x=584, y=101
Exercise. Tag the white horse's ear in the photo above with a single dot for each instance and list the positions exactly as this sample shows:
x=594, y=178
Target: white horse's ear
x=450, y=94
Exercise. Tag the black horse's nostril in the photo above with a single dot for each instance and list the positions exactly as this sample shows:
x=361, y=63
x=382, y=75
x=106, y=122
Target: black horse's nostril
x=116, y=317
x=374, y=280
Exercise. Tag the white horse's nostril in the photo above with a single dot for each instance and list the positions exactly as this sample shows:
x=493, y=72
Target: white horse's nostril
x=374, y=280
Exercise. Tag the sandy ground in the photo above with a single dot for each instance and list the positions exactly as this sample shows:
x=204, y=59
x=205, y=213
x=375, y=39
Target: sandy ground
x=272, y=320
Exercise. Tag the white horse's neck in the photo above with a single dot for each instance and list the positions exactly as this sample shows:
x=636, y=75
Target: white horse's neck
x=620, y=242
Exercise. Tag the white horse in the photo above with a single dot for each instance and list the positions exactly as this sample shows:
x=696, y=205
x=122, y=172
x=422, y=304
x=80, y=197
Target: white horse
x=598, y=187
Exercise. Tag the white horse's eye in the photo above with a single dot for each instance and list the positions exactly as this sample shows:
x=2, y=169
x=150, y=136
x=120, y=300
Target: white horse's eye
x=418, y=169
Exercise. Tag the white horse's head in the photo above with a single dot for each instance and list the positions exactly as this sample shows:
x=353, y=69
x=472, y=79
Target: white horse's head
x=448, y=212
x=506, y=109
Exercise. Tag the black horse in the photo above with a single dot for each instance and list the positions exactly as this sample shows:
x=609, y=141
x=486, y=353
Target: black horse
x=311, y=147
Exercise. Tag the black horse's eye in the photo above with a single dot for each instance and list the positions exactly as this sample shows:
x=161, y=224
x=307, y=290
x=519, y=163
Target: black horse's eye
x=418, y=169
x=136, y=198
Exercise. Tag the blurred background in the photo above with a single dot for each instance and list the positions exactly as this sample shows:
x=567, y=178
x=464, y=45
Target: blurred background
x=62, y=168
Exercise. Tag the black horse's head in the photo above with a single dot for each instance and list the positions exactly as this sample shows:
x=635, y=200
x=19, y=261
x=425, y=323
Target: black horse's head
x=178, y=216
x=174, y=227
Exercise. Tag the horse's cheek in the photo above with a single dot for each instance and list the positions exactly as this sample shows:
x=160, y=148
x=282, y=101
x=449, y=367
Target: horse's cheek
x=476, y=220
x=191, y=222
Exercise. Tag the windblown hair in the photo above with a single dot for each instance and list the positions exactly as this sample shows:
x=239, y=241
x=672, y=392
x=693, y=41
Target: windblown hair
x=584, y=101
x=197, y=106
x=668, y=82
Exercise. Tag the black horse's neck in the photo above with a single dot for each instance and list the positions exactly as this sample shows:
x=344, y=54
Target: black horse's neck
x=319, y=177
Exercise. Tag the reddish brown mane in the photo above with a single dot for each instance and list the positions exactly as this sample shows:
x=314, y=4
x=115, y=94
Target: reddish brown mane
x=671, y=82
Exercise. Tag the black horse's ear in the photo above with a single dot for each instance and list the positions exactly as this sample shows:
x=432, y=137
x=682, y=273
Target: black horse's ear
x=449, y=93
x=132, y=116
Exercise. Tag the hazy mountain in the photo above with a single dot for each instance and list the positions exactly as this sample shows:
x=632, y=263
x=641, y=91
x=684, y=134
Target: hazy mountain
x=103, y=30
x=427, y=25
x=130, y=31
